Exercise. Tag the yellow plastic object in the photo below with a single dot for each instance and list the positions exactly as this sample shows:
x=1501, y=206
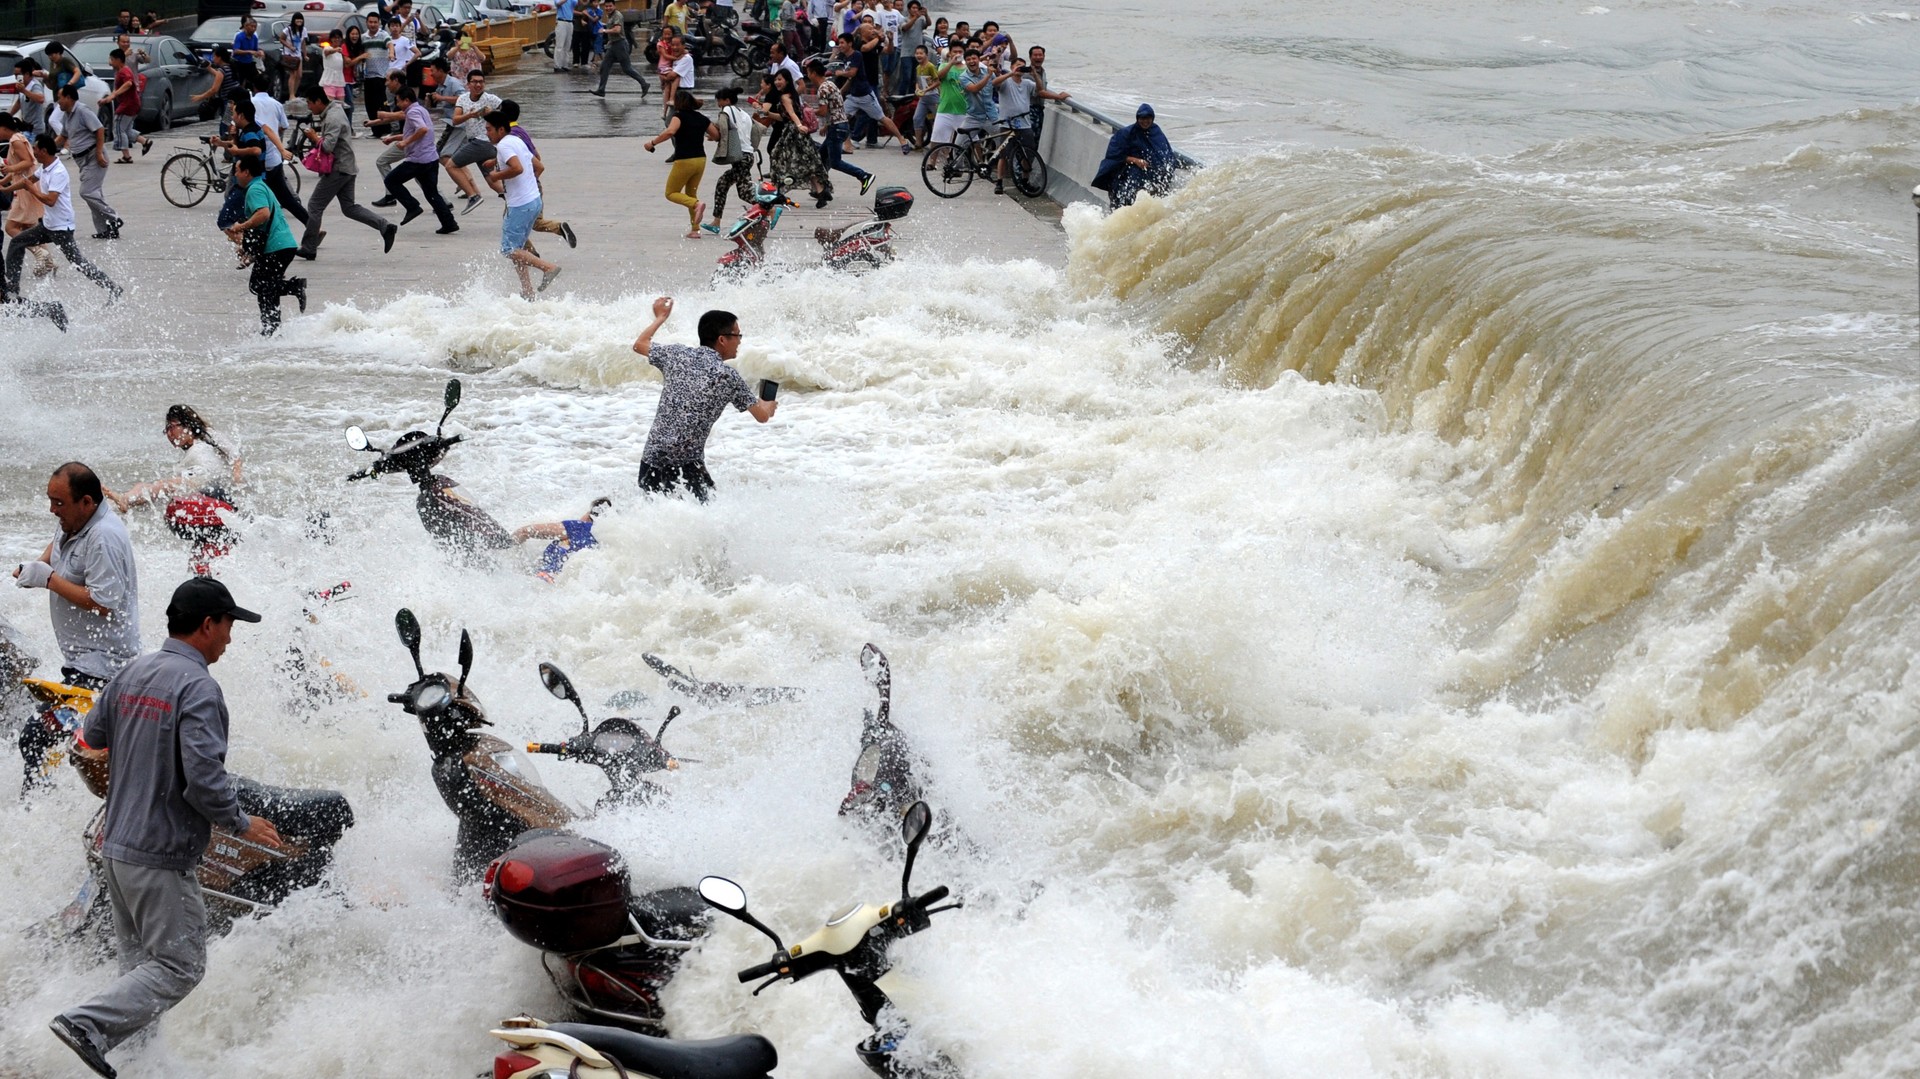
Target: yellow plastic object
x=60, y=694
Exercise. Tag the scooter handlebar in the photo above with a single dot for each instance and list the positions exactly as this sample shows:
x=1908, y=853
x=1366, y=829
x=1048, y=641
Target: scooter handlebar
x=557, y=749
x=932, y=897
x=771, y=966
x=363, y=474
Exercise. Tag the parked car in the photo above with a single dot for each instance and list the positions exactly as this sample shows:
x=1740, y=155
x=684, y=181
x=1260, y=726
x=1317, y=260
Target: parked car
x=222, y=32
x=91, y=91
x=173, y=74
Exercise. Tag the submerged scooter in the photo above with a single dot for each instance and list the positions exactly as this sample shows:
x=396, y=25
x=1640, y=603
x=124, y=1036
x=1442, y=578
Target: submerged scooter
x=449, y=518
x=865, y=244
x=883, y=783
x=855, y=944
x=608, y=951
x=490, y=785
x=238, y=876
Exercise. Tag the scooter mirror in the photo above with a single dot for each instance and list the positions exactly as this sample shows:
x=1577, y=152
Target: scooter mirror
x=913, y=828
x=723, y=894
x=672, y=714
x=357, y=439
x=452, y=399
x=561, y=687
x=409, y=628
x=873, y=664
x=466, y=658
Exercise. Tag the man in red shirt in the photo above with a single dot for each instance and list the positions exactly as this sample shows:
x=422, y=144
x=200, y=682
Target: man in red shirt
x=128, y=85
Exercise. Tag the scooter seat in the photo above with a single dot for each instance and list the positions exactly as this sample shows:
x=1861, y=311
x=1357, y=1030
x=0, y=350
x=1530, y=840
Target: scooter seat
x=742, y=1056
x=671, y=914
x=307, y=814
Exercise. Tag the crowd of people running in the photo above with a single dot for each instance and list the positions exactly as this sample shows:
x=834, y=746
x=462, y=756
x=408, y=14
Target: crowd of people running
x=842, y=74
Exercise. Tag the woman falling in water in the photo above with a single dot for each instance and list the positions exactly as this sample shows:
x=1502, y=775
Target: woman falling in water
x=201, y=498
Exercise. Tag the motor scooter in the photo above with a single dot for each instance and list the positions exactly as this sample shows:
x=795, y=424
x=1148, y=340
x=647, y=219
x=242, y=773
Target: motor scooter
x=856, y=944
x=608, y=951
x=749, y=234
x=448, y=517
x=238, y=876
x=865, y=244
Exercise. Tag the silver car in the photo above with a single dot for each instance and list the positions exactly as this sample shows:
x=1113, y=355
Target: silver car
x=173, y=74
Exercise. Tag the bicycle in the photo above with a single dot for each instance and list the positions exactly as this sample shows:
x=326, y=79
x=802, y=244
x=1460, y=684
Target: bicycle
x=948, y=168
x=189, y=176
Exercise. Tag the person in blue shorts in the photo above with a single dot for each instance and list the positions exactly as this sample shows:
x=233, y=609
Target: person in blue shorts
x=517, y=171
x=569, y=538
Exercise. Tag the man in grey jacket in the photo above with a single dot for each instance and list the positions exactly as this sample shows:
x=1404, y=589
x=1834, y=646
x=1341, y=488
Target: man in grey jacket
x=164, y=719
x=336, y=138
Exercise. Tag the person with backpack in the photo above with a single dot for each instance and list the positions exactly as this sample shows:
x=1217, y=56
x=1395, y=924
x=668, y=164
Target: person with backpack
x=735, y=128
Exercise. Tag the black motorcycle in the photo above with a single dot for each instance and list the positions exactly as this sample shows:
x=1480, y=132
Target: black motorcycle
x=448, y=517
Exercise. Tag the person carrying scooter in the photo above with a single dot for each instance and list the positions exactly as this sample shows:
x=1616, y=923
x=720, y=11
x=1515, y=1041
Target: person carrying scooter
x=699, y=385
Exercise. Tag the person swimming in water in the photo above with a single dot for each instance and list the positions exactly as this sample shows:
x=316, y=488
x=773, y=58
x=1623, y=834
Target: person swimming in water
x=568, y=538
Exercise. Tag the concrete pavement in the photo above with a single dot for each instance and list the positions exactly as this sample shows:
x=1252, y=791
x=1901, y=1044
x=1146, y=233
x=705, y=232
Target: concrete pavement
x=178, y=268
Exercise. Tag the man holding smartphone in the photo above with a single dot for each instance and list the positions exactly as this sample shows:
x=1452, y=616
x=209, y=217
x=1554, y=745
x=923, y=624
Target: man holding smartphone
x=698, y=386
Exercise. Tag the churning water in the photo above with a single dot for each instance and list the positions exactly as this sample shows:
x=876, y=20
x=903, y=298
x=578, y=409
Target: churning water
x=1435, y=598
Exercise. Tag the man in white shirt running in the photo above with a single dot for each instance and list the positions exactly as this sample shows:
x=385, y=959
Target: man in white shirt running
x=468, y=144
x=516, y=170
x=52, y=188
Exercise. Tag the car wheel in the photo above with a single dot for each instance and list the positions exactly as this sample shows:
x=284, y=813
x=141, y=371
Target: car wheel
x=166, y=112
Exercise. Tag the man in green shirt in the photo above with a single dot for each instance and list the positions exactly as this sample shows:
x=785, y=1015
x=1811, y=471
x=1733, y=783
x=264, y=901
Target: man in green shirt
x=952, y=79
x=269, y=279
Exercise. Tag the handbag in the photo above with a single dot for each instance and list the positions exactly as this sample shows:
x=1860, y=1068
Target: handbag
x=317, y=161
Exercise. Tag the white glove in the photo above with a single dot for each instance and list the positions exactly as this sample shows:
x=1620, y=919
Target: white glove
x=32, y=575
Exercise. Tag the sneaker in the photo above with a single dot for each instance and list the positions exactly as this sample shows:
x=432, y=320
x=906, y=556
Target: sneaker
x=866, y=183
x=566, y=233
x=597, y=93
x=410, y=214
x=57, y=312
x=473, y=201
x=386, y=237
x=547, y=279
x=384, y=203
x=76, y=1039
x=446, y=230
x=999, y=189
x=115, y=293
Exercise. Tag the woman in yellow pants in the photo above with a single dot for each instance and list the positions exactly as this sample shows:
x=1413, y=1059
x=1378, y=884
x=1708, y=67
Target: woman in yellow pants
x=689, y=130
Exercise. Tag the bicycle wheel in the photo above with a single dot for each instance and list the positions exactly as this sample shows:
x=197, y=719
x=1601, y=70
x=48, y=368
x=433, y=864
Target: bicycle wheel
x=292, y=173
x=946, y=171
x=185, y=179
x=1029, y=171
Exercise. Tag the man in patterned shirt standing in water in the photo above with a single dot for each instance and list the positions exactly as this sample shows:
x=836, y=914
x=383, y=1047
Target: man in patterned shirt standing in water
x=698, y=387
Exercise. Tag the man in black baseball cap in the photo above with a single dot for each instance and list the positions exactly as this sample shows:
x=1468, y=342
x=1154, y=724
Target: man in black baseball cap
x=165, y=721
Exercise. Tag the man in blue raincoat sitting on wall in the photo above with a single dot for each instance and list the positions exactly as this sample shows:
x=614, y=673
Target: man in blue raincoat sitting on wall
x=1137, y=157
